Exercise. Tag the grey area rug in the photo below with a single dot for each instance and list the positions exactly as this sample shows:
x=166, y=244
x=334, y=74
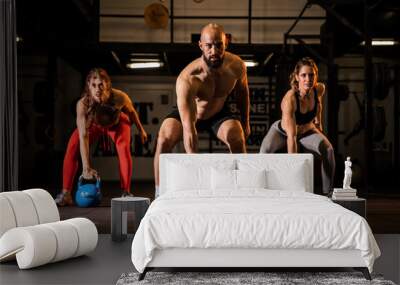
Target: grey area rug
x=233, y=278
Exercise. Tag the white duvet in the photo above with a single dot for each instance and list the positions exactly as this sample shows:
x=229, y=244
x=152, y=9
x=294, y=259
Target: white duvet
x=253, y=218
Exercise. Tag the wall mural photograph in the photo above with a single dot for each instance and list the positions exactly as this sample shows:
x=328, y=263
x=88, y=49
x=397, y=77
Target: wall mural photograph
x=178, y=134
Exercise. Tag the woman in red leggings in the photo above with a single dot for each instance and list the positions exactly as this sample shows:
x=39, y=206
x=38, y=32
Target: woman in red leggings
x=102, y=110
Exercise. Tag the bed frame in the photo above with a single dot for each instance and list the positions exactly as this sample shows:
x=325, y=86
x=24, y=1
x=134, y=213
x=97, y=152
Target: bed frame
x=242, y=259
x=246, y=258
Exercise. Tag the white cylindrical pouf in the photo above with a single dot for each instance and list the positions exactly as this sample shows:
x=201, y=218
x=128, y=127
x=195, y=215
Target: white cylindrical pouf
x=87, y=235
x=7, y=218
x=23, y=208
x=34, y=246
x=45, y=206
x=67, y=240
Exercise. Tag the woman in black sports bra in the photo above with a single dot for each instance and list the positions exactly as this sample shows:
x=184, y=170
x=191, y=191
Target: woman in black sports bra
x=301, y=121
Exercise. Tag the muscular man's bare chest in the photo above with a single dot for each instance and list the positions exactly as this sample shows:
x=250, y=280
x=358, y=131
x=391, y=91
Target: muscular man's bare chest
x=214, y=87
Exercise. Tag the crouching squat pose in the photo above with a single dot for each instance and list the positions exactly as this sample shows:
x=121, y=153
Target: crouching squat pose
x=102, y=110
x=301, y=120
x=202, y=89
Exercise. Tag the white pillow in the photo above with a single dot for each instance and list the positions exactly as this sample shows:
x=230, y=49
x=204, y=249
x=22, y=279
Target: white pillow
x=292, y=179
x=251, y=178
x=227, y=179
x=223, y=179
x=186, y=175
x=280, y=174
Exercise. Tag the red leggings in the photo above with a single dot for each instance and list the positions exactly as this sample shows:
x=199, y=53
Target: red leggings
x=120, y=134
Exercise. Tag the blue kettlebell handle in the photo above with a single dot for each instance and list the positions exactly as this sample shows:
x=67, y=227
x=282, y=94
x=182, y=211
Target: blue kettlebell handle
x=97, y=181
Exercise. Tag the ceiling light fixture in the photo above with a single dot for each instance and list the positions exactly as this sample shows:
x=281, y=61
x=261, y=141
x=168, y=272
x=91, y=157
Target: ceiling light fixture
x=250, y=63
x=140, y=65
x=144, y=60
x=382, y=42
x=144, y=54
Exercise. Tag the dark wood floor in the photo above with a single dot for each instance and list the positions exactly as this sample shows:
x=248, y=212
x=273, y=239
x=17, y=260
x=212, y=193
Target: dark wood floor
x=383, y=214
x=383, y=211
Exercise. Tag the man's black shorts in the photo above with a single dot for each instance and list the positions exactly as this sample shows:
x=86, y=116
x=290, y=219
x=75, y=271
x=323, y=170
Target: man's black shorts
x=212, y=123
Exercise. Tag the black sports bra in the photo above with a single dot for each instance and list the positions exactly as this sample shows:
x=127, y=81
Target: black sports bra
x=304, y=118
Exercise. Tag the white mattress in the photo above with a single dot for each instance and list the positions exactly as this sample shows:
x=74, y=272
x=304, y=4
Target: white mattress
x=253, y=218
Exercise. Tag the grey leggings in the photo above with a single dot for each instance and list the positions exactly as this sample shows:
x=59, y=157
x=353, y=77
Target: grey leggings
x=313, y=141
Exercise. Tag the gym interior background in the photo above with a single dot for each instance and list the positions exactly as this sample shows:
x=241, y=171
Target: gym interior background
x=58, y=42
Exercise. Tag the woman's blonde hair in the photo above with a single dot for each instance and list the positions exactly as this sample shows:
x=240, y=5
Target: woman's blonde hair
x=305, y=61
x=87, y=98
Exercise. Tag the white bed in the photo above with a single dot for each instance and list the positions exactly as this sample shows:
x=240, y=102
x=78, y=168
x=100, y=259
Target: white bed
x=247, y=210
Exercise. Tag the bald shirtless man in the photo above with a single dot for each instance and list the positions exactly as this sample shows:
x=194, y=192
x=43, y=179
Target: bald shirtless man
x=202, y=89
